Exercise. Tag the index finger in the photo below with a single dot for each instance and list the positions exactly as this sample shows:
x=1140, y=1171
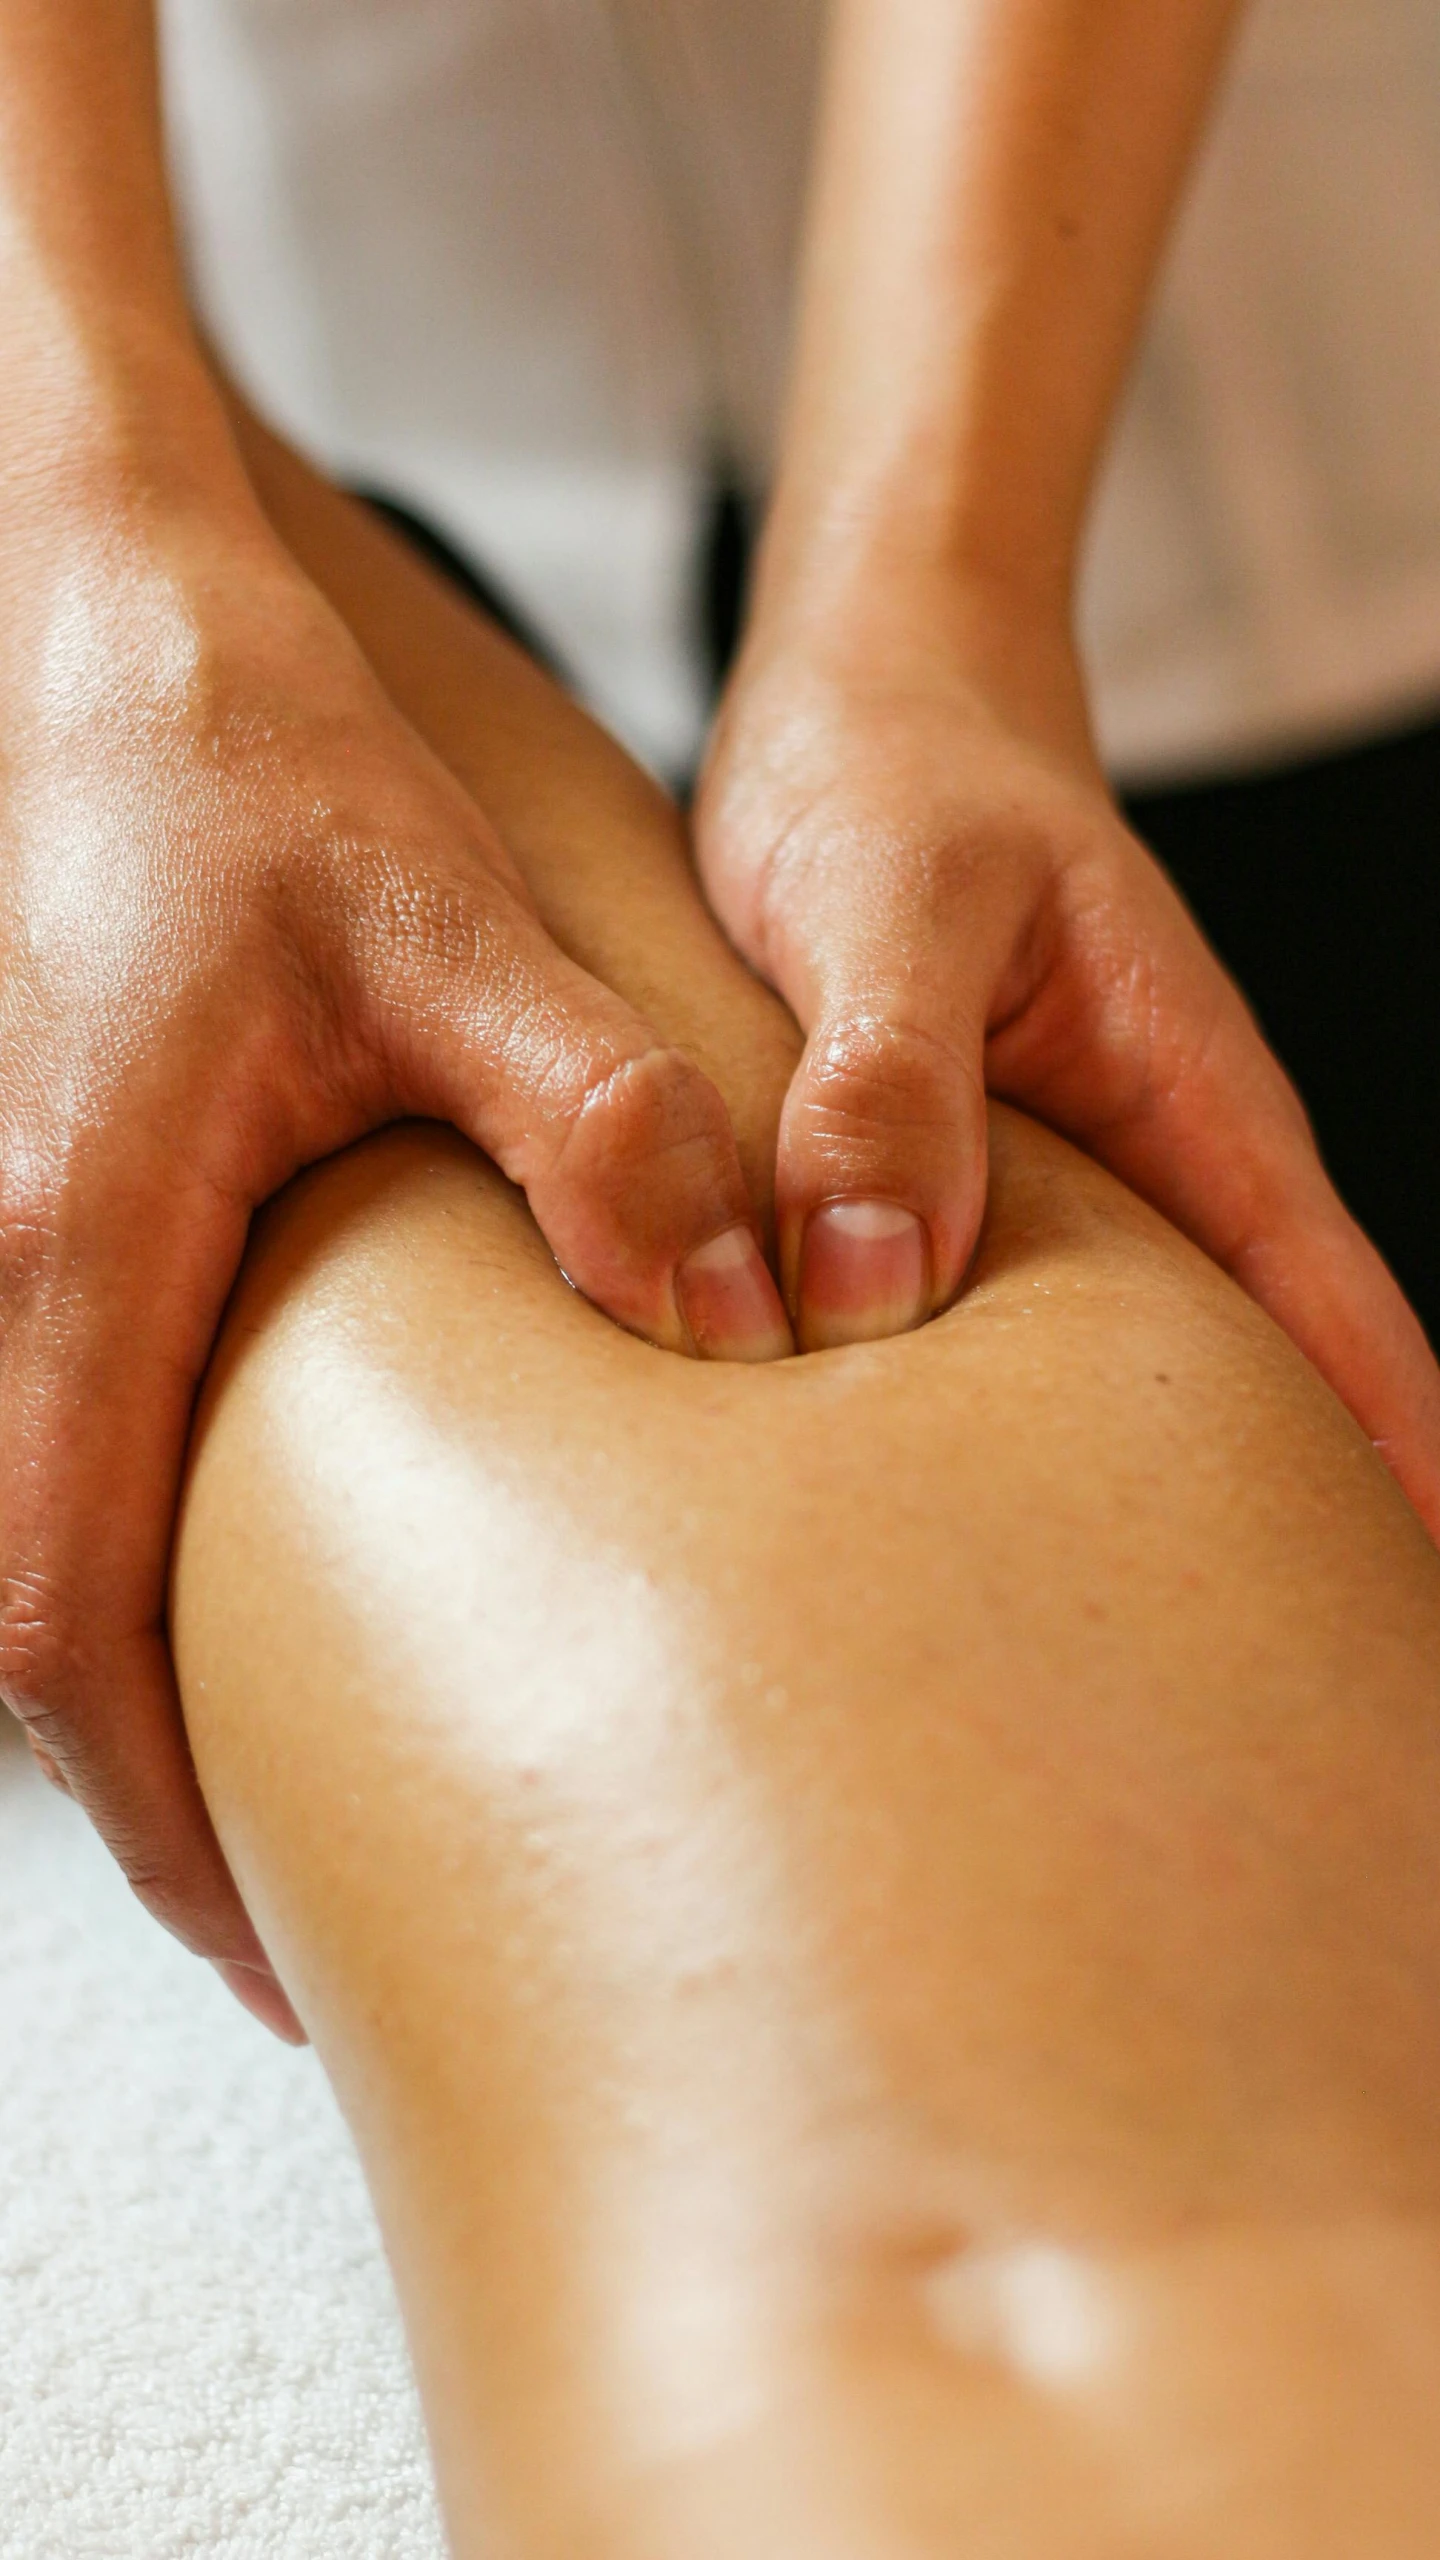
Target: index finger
x=1223, y=1149
x=93, y=1420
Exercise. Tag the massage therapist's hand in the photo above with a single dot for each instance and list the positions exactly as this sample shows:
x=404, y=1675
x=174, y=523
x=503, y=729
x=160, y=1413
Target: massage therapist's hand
x=245, y=916
x=904, y=828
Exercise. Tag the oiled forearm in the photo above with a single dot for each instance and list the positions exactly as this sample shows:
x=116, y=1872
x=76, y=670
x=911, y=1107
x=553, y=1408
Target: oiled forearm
x=993, y=184
x=105, y=397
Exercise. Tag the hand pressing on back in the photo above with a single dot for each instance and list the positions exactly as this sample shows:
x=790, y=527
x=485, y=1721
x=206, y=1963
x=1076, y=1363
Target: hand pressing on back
x=245, y=916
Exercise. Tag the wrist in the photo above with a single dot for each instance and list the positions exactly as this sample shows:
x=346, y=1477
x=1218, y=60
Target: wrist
x=894, y=617
x=104, y=426
x=136, y=534
x=918, y=530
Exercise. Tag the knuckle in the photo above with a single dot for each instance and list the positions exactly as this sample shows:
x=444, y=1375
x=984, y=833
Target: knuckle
x=421, y=945
x=48, y=1766
x=871, y=1076
x=38, y=1651
x=433, y=919
x=645, y=1163
x=166, y=1892
x=651, y=1109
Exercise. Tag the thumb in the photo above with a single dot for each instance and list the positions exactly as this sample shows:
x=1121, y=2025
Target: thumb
x=622, y=1146
x=882, y=1166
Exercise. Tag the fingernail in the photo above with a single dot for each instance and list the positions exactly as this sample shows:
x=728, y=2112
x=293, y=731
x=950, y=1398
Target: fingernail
x=729, y=1301
x=864, y=1273
x=261, y=1994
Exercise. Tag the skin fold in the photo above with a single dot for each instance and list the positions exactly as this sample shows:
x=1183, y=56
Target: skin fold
x=876, y=1920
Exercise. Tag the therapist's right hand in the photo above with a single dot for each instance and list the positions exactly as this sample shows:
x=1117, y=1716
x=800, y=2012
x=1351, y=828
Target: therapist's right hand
x=245, y=916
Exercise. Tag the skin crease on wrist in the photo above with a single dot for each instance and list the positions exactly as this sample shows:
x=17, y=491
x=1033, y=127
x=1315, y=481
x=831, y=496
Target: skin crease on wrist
x=875, y=1921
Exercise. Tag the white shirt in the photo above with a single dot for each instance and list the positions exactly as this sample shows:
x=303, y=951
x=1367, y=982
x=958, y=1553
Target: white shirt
x=527, y=262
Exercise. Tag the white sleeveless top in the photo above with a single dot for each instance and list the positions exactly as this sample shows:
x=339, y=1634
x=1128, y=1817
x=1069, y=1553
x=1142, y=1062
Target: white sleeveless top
x=526, y=263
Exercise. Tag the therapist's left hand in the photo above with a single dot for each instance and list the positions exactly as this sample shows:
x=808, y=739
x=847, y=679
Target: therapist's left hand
x=903, y=826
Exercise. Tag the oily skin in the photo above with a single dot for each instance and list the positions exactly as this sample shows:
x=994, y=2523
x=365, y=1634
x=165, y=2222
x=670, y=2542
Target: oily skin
x=244, y=916
x=876, y=1921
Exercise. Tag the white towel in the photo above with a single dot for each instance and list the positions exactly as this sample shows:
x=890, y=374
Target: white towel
x=199, y=2346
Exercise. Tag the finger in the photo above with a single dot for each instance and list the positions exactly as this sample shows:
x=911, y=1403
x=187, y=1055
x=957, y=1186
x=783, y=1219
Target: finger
x=50, y=1770
x=881, y=1171
x=882, y=1164
x=623, y=1147
x=261, y=1994
x=1316, y=1272
x=88, y=1404
x=1161, y=1073
x=1222, y=1149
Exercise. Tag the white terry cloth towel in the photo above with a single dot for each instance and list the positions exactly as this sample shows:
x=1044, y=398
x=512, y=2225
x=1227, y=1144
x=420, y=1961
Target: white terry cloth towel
x=199, y=2347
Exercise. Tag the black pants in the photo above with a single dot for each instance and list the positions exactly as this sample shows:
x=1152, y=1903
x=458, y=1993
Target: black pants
x=1319, y=886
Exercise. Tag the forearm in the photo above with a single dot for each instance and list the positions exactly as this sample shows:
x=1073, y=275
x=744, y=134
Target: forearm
x=106, y=394
x=904, y=821
x=993, y=185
